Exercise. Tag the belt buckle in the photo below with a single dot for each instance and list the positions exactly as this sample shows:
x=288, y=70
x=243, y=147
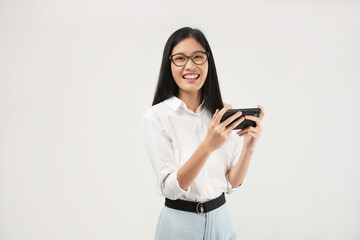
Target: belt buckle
x=202, y=208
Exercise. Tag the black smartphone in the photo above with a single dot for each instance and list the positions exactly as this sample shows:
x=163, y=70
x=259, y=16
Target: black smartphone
x=245, y=111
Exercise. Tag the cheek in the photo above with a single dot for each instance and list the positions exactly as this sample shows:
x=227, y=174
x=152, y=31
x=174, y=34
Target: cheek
x=175, y=72
x=205, y=71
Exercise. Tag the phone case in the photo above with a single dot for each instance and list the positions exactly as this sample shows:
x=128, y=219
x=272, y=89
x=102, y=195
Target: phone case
x=245, y=111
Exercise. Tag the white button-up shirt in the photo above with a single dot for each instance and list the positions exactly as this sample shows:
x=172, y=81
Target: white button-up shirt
x=172, y=133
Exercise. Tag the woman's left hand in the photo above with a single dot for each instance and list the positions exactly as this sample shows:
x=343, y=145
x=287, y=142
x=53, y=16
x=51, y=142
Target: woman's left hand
x=252, y=134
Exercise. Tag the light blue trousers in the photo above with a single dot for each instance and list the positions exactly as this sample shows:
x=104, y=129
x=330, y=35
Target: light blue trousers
x=175, y=224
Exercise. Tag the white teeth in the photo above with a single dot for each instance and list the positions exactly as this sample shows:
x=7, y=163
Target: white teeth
x=191, y=76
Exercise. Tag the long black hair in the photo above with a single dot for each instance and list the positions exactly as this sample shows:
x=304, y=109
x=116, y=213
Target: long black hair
x=167, y=87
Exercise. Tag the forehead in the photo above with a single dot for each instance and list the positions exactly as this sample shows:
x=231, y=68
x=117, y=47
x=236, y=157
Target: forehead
x=187, y=46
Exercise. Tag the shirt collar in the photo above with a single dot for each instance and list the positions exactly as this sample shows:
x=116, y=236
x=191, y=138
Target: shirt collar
x=175, y=102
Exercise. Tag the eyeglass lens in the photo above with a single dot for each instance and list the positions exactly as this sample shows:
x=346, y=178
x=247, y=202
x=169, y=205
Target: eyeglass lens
x=197, y=58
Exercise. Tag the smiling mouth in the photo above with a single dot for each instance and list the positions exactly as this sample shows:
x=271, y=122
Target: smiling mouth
x=191, y=77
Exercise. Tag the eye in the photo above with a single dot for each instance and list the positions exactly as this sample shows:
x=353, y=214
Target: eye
x=179, y=58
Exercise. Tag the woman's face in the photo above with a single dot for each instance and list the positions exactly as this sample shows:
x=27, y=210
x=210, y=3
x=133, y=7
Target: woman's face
x=184, y=76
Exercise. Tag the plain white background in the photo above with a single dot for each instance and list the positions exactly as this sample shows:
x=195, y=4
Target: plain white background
x=77, y=76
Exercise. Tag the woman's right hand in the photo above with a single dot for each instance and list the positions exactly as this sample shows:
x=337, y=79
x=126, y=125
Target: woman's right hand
x=217, y=132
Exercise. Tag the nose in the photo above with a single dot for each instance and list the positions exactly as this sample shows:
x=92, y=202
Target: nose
x=190, y=64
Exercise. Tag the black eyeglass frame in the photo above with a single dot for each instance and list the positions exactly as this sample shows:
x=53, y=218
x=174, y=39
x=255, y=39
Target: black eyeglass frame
x=187, y=58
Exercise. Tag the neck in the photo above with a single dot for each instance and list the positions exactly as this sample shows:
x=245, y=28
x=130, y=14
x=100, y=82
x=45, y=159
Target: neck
x=192, y=100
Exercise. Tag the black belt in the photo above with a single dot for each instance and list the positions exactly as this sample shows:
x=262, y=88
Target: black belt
x=198, y=207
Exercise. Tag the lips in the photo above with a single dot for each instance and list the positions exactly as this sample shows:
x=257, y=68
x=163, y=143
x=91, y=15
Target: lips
x=191, y=76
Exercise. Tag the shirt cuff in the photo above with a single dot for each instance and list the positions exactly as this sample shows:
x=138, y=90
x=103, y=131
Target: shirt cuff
x=174, y=185
x=231, y=189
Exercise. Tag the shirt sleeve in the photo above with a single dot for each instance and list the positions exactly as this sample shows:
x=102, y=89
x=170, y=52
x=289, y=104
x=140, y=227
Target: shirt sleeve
x=160, y=152
x=238, y=143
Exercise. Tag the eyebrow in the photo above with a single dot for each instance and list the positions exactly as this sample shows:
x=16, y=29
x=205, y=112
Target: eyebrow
x=190, y=54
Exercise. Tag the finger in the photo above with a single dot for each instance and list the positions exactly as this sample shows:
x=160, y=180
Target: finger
x=248, y=130
x=254, y=135
x=217, y=110
x=230, y=119
x=253, y=118
x=221, y=113
x=262, y=112
x=234, y=124
x=254, y=129
x=242, y=134
x=242, y=130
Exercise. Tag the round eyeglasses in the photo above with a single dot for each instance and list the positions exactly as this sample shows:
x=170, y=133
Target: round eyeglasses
x=198, y=58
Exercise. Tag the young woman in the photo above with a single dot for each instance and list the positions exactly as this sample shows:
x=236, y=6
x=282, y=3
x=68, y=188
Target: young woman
x=196, y=158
